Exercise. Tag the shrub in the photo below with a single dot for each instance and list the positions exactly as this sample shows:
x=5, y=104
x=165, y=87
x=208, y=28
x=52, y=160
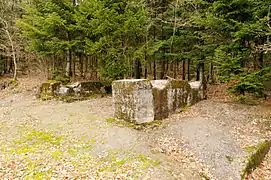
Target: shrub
x=256, y=83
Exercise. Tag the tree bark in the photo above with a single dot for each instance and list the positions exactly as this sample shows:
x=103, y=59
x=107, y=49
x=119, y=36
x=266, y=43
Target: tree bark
x=137, y=70
x=212, y=72
x=261, y=61
x=154, y=69
x=81, y=64
x=203, y=79
x=74, y=65
x=13, y=55
x=198, y=72
x=183, y=73
x=187, y=72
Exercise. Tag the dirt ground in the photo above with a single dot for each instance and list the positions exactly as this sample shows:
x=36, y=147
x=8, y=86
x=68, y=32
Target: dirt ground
x=81, y=140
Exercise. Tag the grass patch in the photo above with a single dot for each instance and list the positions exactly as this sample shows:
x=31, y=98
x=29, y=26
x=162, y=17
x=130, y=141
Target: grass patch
x=183, y=109
x=246, y=100
x=229, y=158
x=41, y=154
x=110, y=120
x=143, y=126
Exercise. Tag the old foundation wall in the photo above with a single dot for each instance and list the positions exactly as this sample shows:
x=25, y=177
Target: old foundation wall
x=142, y=101
x=133, y=100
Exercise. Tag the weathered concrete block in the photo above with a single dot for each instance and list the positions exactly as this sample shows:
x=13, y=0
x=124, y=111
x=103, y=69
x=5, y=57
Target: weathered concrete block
x=133, y=100
x=197, y=92
x=160, y=95
x=178, y=94
x=49, y=88
x=144, y=101
x=65, y=91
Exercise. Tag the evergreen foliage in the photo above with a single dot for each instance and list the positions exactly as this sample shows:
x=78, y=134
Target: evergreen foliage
x=226, y=40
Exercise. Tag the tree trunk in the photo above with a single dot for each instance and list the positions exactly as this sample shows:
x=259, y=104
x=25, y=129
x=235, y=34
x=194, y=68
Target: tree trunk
x=96, y=66
x=261, y=60
x=6, y=65
x=203, y=79
x=13, y=55
x=74, y=66
x=212, y=72
x=183, y=73
x=175, y=68
x=68, y=65
x=10, y=68
x=137, y=69
x=154, y=70
x=86, y=65
x=198, y=73
x=187, y=73
x=162, y=70
x=81, y=64
x=146, y=67
x=146, y=72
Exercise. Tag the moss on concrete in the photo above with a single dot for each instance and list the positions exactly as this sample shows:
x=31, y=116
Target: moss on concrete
x=47, y=89
x=125, y=94
x=160, y=97
x=133, y=124
x=254, y=160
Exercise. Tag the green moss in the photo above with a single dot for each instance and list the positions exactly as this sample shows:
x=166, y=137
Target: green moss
x=256, y=157
x=110, y=120
x=14, y=83
x=70, y=99
x=148, y=80
x=246, y=100
x=53, y=82
x=184, y=108
x=204, y=176
x=230, y=159
x=37, y=146
x=250, y=149
x=174, y=83
x=133, y=124
x=46, y=97
x=91, y=89
x=47, y=89
x=147, y=161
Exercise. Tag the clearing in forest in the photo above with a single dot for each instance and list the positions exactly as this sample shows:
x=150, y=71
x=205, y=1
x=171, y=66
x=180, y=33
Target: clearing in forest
x=56, y=140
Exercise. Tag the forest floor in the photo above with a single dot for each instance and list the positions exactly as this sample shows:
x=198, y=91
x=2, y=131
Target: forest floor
x=81, y=140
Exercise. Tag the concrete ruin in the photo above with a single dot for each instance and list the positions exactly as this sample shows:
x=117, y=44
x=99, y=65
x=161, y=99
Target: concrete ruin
x=142, y=101
x=78, y=90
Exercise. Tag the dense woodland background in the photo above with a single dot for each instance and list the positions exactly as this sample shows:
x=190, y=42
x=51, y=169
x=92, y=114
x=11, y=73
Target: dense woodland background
x=224, y=41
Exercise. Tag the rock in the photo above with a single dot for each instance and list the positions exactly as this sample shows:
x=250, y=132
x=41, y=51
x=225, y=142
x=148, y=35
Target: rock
x=4, y=85
x=133, y=100
x=77, y=91
x=65, y=91
x=74, y=85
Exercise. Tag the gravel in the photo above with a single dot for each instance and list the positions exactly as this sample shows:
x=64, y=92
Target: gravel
x=73, y=140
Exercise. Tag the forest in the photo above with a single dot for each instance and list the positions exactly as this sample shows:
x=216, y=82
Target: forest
x=225, y=41
x=65, y=115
